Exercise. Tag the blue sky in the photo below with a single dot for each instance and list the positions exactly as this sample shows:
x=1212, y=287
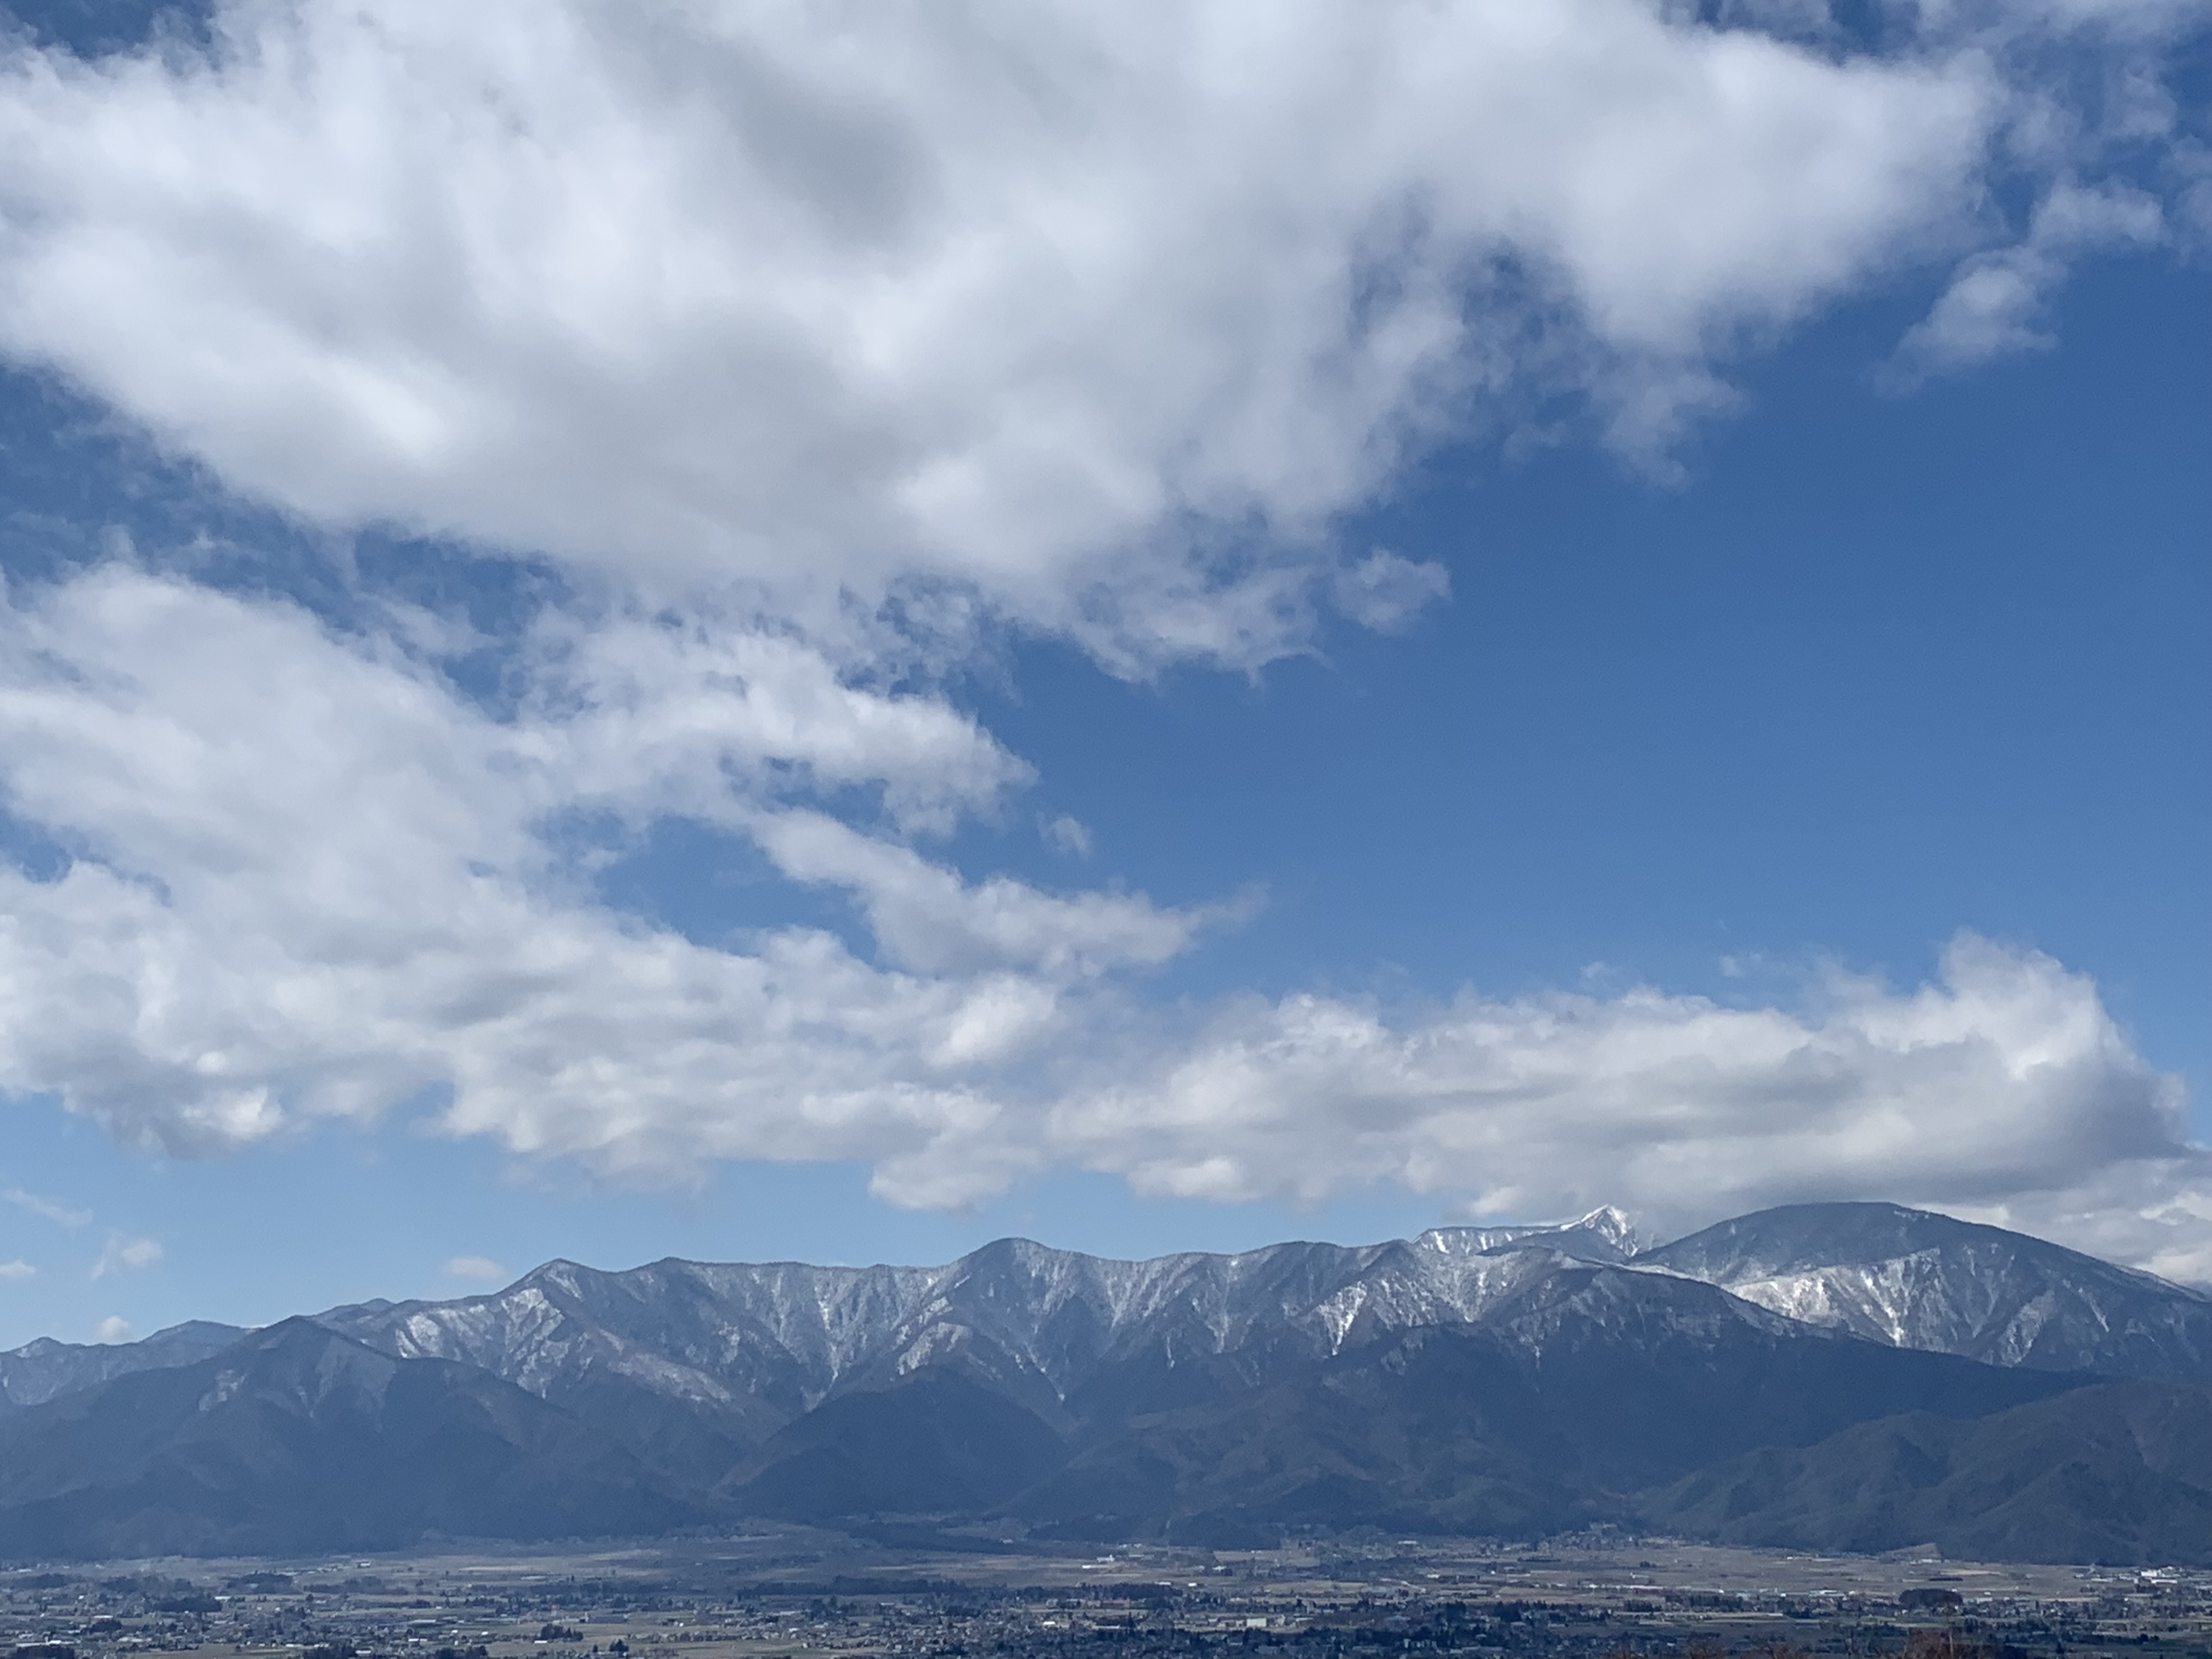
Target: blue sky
x=1467, y=672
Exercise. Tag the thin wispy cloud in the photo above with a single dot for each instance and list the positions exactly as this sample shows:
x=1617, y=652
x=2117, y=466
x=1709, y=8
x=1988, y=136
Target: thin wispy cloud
x=2000, y=302
x=1066, y=834
x=125, y=1253
x=47, y=1209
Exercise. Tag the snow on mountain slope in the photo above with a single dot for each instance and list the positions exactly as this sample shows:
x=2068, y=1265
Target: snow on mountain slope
x=759, y=1344
x=753, y=1347
x=1914, y=1279
x=1603, y=1235
x=46, y=1370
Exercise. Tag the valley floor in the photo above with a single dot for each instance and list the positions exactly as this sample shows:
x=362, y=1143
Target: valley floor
x=806, y=1595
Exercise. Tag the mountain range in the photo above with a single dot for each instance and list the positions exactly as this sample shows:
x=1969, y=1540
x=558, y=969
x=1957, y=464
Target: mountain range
x=1840, y=1375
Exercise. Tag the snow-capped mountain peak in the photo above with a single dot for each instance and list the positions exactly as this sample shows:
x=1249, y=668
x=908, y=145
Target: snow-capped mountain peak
x=1912, y=1278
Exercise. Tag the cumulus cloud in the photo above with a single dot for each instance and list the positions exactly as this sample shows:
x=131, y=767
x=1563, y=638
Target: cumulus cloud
x=113, y=1328
x=2003, y=1079
x=814, y=345
x=17, y=1269
x=313, y=880
x=1016, y=298
x=476, y=1270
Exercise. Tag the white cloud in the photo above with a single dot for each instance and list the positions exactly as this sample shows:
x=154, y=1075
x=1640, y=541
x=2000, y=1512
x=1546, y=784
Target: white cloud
x=126, y=1255
x=2005, y=1082
x=1066, y=834
x=314, y=881
x=650, y=715
x=1064, y=301
x=816, y=344
x=17, y=1269
x=113, y=1328
x=1997, y=303
x=476, y=1269
x=928, y=919
x=1385, y=592
x=47, y=1209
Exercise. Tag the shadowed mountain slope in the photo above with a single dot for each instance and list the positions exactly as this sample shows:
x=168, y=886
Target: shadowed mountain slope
x=1593, y=1382
x=1581, y=1386
x=2119, y=1474
x=295, y=1438
x=1504, y=1381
